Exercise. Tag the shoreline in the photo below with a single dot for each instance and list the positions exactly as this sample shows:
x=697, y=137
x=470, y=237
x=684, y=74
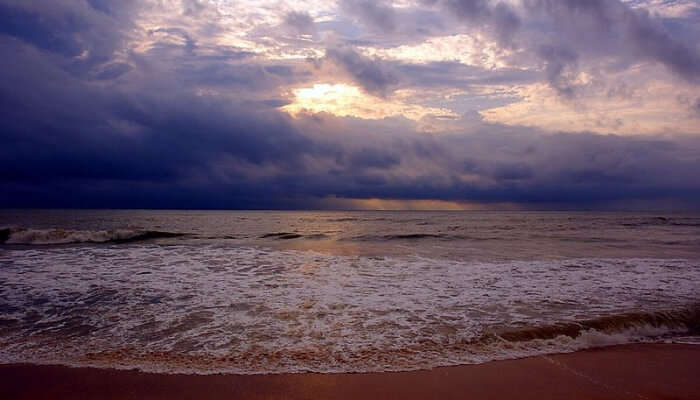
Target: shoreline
x=633, y=371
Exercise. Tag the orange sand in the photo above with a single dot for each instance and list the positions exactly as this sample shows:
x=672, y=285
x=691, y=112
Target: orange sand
x=664, y=371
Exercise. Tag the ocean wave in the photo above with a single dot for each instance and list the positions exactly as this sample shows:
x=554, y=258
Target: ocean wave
x=290, y=235
x=567, y=337
x=273, y=311
x=406, y=236
x=686, y=320
x=357, y=219
x=344, y=219
x=281, y=236
x=26, y=236
x=662, y=221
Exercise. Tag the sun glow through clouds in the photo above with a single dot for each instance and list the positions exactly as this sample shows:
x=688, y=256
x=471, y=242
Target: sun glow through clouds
x=349, y=101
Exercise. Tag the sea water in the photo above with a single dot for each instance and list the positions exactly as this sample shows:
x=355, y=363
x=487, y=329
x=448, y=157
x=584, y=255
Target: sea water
x=271, y=292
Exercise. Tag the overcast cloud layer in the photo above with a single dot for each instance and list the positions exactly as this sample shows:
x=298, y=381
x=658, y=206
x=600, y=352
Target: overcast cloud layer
x=534, y=104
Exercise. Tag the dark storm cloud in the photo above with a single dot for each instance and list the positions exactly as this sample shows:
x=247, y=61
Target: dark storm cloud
x=86, y=123
x=193, y=7
x=66, y=128
x=568, y=169
x=136, y=149
x=190, y=42
x=110, y=7
x=86, y=34
x=373, y=75
x=500, y=171
x=374, y=14
x=112, y=71
x=500, y=164
x=31, y=27
x=369, y=157
x=457, y=75
x=569, y=33
x=388, y=26
x=559, y=60
x=249, y=76
x=300, y=22
x=499, y=17
x=610, y=27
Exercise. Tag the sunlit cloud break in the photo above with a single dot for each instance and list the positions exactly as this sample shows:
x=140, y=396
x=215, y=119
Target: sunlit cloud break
x=349, y=101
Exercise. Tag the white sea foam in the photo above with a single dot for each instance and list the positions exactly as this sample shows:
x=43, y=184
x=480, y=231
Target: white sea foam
x=207, y=309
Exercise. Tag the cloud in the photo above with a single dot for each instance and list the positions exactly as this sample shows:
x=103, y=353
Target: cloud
x=140, y=104
x=300, y=23
x=86, y=35
x=373, y=75
x=558, y=62
x=375, y=15
x=610, y=27
x=135, y=148
x=644, y=107
x=499, y=17
x=348, y=101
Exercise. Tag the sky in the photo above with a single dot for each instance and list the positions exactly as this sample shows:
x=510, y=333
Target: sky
x=350, y=104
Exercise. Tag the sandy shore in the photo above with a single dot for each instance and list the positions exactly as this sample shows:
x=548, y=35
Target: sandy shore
x=664, y=371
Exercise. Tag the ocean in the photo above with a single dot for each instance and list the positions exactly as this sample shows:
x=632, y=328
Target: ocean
x=260, y=292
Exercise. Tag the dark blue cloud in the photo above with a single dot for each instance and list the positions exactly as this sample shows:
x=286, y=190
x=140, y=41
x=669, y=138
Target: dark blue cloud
x=557, y=61
x=86, y=124
x=612, y=28
x=190, y=42
x=498, y=17
x=368, y=157
x=373, y=75
x=112, y=71
x=57, y=35
x=85, y=34
x=385, y=25
x=376, y=15
x=457, y=75
x=300, y=22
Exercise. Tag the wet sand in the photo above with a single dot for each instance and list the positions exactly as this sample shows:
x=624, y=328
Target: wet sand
x=659, y=371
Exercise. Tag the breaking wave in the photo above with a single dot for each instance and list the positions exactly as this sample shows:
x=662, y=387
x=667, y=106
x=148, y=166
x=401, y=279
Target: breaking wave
x=686, y=320
x=566, y=337
x=26, y=236
x=271, y=311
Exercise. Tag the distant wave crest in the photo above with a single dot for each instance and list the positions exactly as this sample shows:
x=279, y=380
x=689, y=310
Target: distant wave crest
x=290, y=235
x=27, y=236
x=407, y=236
x=662, y=221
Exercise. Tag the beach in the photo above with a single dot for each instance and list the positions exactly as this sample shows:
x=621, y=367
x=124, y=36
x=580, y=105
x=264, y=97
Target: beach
x=351, y=199
x=637, y=371
x=321, y=305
